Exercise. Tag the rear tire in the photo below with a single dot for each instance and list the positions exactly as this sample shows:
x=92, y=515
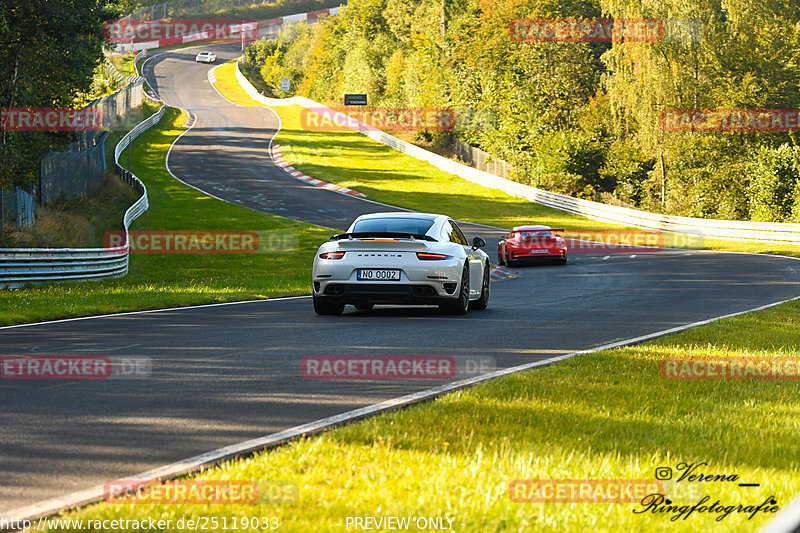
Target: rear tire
x=461, y=305
x=500, y=259
x=483, y=302
x=326, y=307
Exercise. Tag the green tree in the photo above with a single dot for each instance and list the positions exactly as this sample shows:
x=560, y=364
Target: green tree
x=50, y=49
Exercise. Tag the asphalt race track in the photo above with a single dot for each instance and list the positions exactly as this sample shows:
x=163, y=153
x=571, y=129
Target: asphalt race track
x=225, y=374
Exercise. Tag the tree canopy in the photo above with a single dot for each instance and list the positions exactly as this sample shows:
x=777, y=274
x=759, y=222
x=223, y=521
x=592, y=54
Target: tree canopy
x=582, y=118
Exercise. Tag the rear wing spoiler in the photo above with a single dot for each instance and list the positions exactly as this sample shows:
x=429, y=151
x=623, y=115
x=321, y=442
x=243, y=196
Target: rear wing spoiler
x=382, y=236
x=553, y=230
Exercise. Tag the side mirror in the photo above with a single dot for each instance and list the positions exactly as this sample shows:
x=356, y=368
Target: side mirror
x=477, y=242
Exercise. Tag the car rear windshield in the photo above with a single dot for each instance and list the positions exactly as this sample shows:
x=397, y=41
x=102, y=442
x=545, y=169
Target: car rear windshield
x=535, y=234
x=418, y=226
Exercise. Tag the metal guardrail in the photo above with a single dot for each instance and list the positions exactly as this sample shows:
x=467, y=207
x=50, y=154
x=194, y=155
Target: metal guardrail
x=19, y=266
x=773, y=232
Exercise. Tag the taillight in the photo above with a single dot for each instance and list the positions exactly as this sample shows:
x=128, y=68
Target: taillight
x=332, y=255
x=424, y=256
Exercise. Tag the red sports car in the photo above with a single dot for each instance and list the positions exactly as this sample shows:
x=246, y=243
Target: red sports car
x=531, y=243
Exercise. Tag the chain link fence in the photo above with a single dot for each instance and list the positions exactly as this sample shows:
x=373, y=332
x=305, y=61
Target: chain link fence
x=182, y=9
x=16, y=207
x=79, y=172
x=481, y=160
x=74, y=174
x=114, y=107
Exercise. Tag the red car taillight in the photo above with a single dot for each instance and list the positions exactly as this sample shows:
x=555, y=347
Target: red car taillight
x=424, y=256
x=332, y=255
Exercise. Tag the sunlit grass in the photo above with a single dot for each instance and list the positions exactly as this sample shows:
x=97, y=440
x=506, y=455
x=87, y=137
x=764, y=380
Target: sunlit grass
x=606, y=415
x=123, y=63
x=386, y=175
x=166, y=280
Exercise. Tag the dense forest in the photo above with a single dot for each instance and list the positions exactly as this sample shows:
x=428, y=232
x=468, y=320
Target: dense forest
x=583, y=118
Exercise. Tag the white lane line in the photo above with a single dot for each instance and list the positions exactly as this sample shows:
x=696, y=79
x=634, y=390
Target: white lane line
x=212, y=78
x=633, y=256
x=150, y=311
x=280, y=127
x=199, y=462
x=166, y=164
x=606, y=258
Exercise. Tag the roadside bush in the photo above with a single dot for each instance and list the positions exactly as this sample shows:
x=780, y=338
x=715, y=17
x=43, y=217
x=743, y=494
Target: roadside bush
x=774, y=184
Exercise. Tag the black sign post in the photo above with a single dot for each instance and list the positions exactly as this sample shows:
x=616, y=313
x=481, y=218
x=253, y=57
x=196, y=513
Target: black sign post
x=355, y=99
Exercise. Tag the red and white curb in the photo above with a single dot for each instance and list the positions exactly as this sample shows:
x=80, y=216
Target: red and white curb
x=190, y=119
x=501, y=273
x=293, y=172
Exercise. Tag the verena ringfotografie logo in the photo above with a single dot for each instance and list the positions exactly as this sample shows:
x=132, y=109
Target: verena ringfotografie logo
x=733, y=368
x=202, y=242
x=50, y=119
x=730, y=120
x=567, y=30
x=73, y=367
x=582, y=490
x=394, y=366
x=382, y=118
x=195, y=492
x=180, y=31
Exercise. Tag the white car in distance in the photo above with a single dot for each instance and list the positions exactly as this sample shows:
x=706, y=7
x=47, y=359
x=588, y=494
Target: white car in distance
x=205, y=57
x=401, y=258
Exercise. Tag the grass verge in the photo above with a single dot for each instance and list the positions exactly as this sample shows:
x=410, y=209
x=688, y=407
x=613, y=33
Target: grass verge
x=164, y=280
x=607, y=415
x=386, y=175
x=123, y=63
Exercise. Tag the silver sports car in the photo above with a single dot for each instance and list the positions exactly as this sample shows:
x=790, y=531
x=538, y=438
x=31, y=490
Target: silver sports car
x=401, y=258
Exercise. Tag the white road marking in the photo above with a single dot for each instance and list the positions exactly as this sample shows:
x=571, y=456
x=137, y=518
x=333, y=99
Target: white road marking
x=199, y=462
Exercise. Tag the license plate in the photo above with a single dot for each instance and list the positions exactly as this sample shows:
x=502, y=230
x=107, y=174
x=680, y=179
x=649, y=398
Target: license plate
x=378, y=275
x=539, y=251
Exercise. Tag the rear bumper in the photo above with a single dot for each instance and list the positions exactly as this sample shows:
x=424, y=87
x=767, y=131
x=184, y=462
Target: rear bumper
x=386, y=293
x=523, y=256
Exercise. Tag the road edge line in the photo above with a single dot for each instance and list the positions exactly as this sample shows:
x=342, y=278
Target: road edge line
x=199, y=462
